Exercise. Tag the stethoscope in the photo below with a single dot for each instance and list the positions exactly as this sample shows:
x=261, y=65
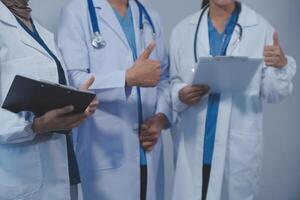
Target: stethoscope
x=199, y=23
x=98, y=42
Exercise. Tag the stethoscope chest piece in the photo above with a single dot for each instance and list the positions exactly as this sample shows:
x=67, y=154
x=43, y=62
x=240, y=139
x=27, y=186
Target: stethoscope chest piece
x=98, y=41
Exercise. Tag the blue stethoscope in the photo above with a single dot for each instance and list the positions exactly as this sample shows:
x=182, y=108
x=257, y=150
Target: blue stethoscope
x=199, y=23
x=98, y=42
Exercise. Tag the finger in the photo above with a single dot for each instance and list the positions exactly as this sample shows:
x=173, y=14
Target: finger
x=270, y=59
x=201, y=89
x=199, y=93
x=94, y=104
x=147, y=52
x=148, y=138
x=88, y=83
x=269, y=62
x=204, y=86
x=73, y=118
x=149, y=149
x=275, y=39
x=193, y=95
x=77, y=124
x=269, y=48
x=90, y=111
x=64, y=110
x=93, y=107
x=195, y=100
x=268, y=53
x=148, y=146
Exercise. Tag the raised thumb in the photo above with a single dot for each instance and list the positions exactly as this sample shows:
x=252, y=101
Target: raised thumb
x=88, y=83
x=148, y=51
x=275, y=39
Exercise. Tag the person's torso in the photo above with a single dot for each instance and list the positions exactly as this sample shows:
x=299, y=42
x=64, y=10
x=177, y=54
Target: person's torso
x=239, y=118
x=108, y=143
x=33, y=169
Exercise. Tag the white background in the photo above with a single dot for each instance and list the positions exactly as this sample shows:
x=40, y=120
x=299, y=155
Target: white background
x=281, y=170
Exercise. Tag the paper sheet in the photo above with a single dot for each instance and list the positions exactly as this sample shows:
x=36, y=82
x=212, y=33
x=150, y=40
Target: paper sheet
x=228, y=74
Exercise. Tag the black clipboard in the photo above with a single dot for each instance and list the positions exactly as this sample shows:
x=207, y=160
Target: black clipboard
x=39, y=97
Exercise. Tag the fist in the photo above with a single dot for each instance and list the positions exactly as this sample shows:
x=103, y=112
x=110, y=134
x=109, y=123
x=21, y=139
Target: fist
x=274, y=55
x=151, y=130
x=192, y=94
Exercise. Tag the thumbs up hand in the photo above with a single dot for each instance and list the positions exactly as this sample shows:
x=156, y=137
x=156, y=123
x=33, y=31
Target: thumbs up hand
x=144, y=72
x=274, y=55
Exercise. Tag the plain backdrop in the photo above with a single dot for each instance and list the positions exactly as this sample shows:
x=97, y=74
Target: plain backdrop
x=281, y=171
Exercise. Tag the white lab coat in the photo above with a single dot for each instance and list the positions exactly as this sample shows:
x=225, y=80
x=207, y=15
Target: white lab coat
x=108, y=144
x=239, y=136
x=31, y=167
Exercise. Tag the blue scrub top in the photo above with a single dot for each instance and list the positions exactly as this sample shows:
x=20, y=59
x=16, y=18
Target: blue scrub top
x=128, y=27
x=218, y=46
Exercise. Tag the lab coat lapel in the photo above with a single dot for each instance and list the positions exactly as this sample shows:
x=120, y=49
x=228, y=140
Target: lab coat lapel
x=106, y=13
x=247, y=19
x=234, y=44
x=8, y=18
x=48, y=38
x=31, y=42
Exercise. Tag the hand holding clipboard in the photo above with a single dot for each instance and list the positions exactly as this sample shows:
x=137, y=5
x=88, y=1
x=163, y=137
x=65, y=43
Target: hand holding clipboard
x=56, y=107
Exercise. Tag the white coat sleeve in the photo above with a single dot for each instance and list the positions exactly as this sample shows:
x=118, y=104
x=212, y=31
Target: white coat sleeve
x=164, y=97
x=277, y=83
x=15, y=128
x=74, y=49
x=177, y=82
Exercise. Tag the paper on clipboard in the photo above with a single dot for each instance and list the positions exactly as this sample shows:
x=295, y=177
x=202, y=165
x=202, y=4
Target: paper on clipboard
x=227, y=74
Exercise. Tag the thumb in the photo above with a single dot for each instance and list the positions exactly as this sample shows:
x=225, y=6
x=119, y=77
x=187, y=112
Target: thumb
x=275, y=39
x=146, y=54
x=88, y=83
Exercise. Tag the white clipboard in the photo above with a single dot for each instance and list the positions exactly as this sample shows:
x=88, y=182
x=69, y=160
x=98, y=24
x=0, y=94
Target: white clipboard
x=232, y=75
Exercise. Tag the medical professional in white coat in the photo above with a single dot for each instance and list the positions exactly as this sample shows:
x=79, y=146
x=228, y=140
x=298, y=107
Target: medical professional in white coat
x=33, y=156
x=108, y=145
x=219, y=141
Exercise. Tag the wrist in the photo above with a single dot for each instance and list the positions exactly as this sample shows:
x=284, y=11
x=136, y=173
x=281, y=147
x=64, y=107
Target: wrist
x=38, y=125
x=129, y=78
x=285, y=62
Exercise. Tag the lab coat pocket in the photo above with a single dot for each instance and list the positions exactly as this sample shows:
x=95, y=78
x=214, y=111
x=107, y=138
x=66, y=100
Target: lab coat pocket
x=106, y=150
x=244, y=160
x=246, y=115
x=20, y=171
